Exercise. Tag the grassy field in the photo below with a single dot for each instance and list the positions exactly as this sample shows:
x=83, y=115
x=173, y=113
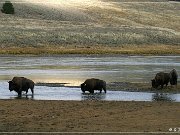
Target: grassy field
x=93, y=27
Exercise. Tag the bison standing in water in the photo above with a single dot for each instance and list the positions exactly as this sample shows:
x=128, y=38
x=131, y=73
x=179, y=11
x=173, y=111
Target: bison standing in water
x=161, y=78
x=93, y=84
x=20, y=84
x=173, y=77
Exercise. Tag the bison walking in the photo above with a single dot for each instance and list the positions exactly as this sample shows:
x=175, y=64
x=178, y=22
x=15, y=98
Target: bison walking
x=93, y=84
x=20, y=84
x=160, y=79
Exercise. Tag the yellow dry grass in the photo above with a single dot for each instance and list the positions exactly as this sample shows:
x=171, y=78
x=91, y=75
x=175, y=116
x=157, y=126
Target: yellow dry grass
x=130, y=50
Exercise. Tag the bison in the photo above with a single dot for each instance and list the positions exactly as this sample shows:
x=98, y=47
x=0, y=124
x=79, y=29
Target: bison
x=161, y=78
x=173, y=77
x=93, y=84
x=20, y=84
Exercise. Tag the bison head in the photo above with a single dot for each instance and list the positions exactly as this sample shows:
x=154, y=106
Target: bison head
x=11, y=85
x=154, y=83
x=83, y=87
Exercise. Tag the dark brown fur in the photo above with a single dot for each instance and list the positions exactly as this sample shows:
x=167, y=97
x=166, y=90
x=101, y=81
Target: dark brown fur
x=160, y=79
x=173, y=77
x=93, y=84
x=20, y=84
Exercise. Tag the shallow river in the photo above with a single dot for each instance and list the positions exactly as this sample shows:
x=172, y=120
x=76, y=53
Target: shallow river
x=73, y=70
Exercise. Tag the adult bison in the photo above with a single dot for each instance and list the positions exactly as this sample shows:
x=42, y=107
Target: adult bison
x=93, y=84
x=20, y=84
x=173, y=77
x=160, y=79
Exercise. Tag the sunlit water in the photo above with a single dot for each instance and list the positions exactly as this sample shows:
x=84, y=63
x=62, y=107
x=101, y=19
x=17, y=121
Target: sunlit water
x=75, y=69
x=64, y=93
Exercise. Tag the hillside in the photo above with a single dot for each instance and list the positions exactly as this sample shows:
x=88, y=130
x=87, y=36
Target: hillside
x=88, y=23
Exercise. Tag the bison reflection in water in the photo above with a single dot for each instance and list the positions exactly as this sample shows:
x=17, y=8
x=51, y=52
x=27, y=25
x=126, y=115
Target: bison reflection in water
x=95, y=96
x=93, y=84
x=20, y=84
x=161, y=97
x=24, y=97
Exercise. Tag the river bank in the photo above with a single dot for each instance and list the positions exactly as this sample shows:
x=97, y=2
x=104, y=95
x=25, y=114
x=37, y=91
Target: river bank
x=87, y=116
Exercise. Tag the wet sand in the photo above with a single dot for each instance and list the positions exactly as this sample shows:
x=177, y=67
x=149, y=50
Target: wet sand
x=88, y=116
x=142, y=87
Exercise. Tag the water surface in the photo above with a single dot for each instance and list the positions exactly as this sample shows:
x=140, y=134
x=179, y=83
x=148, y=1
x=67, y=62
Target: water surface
x=75, y=94
x=73, y=70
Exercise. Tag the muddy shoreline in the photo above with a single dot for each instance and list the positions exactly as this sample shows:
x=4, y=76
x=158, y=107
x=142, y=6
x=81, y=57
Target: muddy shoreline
x=87, y=116
x=123, y=86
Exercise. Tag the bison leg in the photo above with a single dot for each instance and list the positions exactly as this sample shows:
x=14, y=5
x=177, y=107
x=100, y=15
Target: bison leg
x=91, y=91
x=19, y=93
x=26, y=92
x=104, y=88
x=32, y=90
x=83, y=91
